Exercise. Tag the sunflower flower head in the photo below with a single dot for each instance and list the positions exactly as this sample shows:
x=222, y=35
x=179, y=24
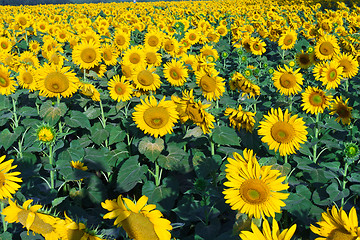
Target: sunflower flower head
x=336, y=224
x=252, y=189
x=140, y=221
x=351, y=151
x=341, y=108
x=8, y=180
x=45, y=134
x=282, y=132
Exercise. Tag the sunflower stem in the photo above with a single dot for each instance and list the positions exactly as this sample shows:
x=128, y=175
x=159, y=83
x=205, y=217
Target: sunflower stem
x=286, y=159
x=52, y=171
x=344, y=182
x=212, y=146
x=15, y=117
x=4, y=223
x=157, y=174
x=316, y=137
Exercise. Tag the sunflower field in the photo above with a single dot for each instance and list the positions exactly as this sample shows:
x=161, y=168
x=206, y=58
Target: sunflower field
x=204, y=120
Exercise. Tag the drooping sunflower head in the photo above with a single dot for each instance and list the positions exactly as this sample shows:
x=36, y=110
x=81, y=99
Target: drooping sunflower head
x=341, y=108
x=315, y=100
x=77, y=230
x=240, y=118
x=282, y=132
x=155, y=118
x=140, y=221
x=89, y=90
x=78, y=165
x=254, y=190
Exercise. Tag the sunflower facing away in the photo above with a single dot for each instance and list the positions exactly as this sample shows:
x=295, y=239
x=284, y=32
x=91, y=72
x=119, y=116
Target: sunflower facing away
x=8, y=180
x=288, y=81
x=240, y=83
x=89, y=90
x=120, y=89
x=283, y=132
x=342, y=109
x=266, y=233
x=240, y=118
x=73, y=230
x=155, y=118
x=140, y=221
x=254, y=190
x=7, y=83
x=32, y=219
x=337, y=225
x=87, y=54
x=315, y=100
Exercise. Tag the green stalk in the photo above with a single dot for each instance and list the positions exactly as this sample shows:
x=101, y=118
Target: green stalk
x=286, y=159
x=157, y=174
x=103, y=121
x=58, y=105
x=52, y=171
x=4, y=223
x=15, y=117
x=316, y=137
x=344, y=181
x=212, y=146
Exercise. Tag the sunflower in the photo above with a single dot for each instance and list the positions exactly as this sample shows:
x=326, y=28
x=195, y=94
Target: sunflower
x=266, y=233
x=134, y=57
x=192, y=36
x=337, y=225
x=210, y=83
x=234, y=164
x=78, y=165
x=73, y=230
x=190, y=62
x=140, y=221
x=122, y=40
x=194, y=111
x=127, y=70
x=5, y=45
x=45, y=134
x=90, y=91
x=331, y=75
x=120, y=89
x=171, y=46
x=240, y=83
x=27, y=78
x=54, y=57
x=287, y=81
x=208, y=50
x=8, y=181
x=175, y=72
x=288, y=39
x=32, y=219
x=109, y=54
x=318, y=69
x=304, y=59
x=56, y=81
x=7, y=83
x=240, y=118
x=87, y=54
x=153, y=39
x=254, y=190
x=342, y=109
x=326, y=47
x=146, y=79
x=282, y=132
x=315, y=100
x=27, y=59
x=257, y=46
x=152, y=58
x=155, y=118
x=348, y=63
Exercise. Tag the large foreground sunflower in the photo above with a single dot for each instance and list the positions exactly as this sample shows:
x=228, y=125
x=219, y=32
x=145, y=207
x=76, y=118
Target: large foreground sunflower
x=32, y=219
x=342, y=109
x=140, y=221
x=283, y=132
x=287, y=81
x=315, y=100
x=155, y=118
x=8, y=180
x=337, y=225
x=254, y=190
x=56, y=81
x=266, y=233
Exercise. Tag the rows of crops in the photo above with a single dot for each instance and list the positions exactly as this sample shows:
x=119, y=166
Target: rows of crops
x=180, y=120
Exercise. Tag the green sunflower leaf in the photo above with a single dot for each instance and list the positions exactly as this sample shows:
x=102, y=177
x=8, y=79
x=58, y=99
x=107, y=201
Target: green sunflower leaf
x=77, y=119
x=7, y=138
x=52, y=113
x=225, y=136
x=176, y=159
x=151, y=149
